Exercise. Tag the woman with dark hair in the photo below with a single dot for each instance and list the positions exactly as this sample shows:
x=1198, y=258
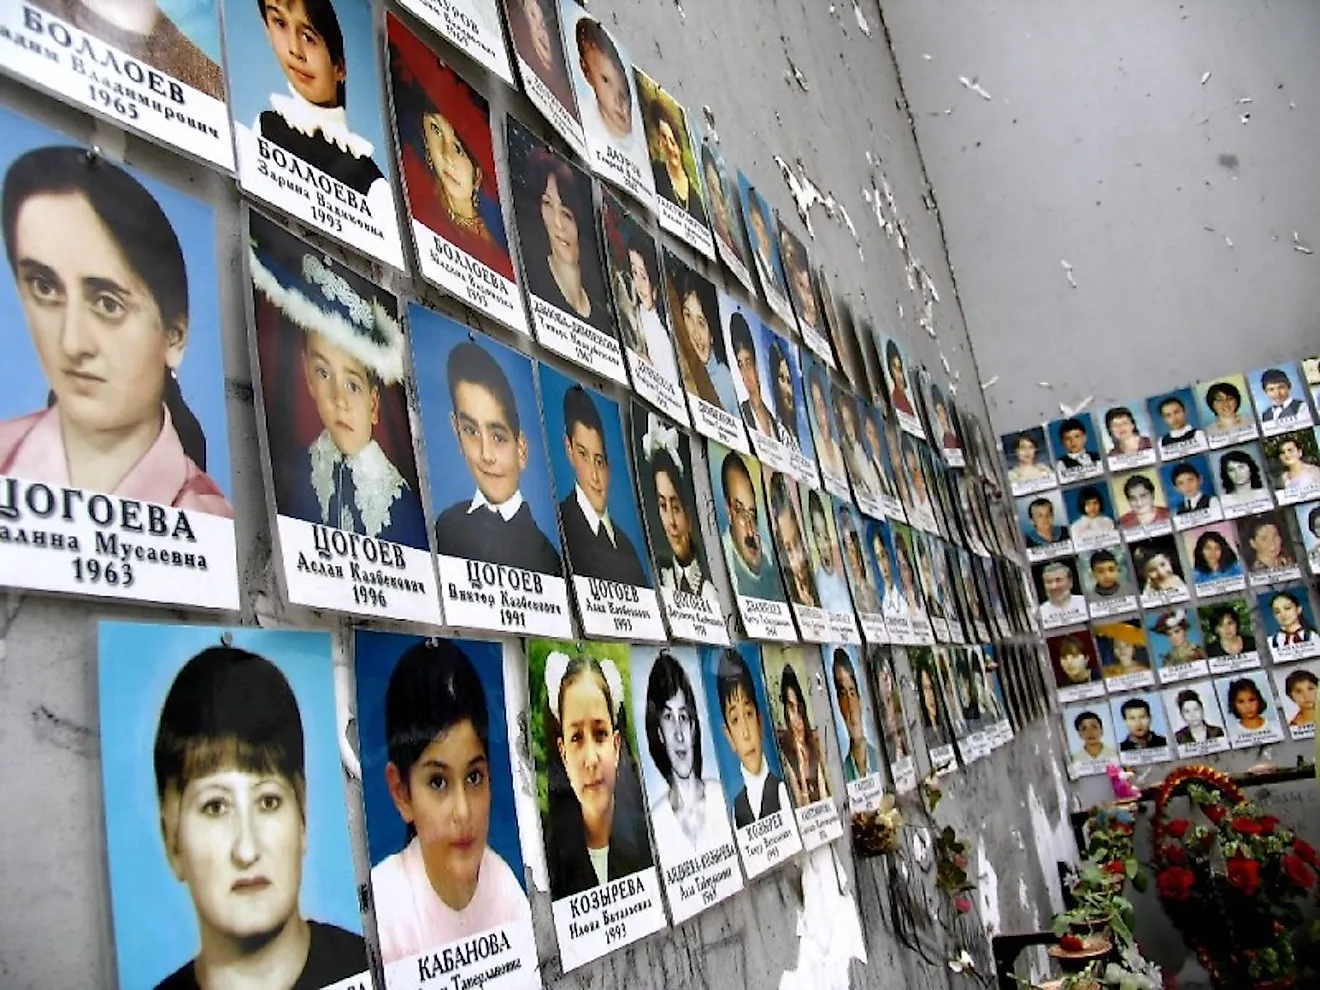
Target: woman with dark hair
x=1224, y=399
x=897, y=380
x=1240, y=479
x=595, y=830
x=689, y=816
x=1195, y=728
x=669, y=144
x=718, y=190
x=701, y=353
x=804, y=767
x=1246, y=704
x=1228, y=640
x=446, y=883
x=1214, y=558
x=781, y=380
x=929, y=691
x=311, y=121
x=101, y=277
x=1140, y=492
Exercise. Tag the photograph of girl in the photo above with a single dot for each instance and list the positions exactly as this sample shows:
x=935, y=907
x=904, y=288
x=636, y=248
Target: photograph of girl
x=450, y=180
x=225, y=814
x=1251, y=716
x=1296, y=688
x=1227, y=630
x=120, y=390
x=1026, y=458
x=1216, y=562
x=939, y=740
x=442, y=832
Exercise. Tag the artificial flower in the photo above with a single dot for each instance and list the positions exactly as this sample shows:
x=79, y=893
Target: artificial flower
x=1305, y=852
x=1244, y=874
x=1175, y=883
x=1174, y=854
x=963, y=904
x=1247, y=826
x=1178, y=827
x=1296, y=871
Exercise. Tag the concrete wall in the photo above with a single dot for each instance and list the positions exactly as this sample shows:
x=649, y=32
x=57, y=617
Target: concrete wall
x=55, y=925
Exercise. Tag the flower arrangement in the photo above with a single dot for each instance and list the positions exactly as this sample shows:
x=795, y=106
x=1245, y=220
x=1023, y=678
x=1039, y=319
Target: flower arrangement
x=1109, y=862
x=1231, y=880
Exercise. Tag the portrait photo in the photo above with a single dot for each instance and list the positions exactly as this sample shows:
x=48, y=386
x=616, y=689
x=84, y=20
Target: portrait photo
x=1043, y=521
x=912, y=468
x=1140, y=502
x=1076, y=665
x=880, y=445
x=1279, y=393
x=438, y=792
x=600, y=70
x=1311, y=372
x=1228, y=632
x=1124, y=654
x=1241, y=481
x=589, y=473
x=801, y=293
x=1127, y=437
x=1158, y=568
x=1177, y=422
x=943, y=421
x=639, y=306
x=878, y=546
x=930, y=704
x=1287, y=621
x=681, y=774
x=471, y=26
x=1216, y=558
x=889, y=708
x=1174, y=635
x=827, y=554
x=226, y=821
x=1295, y=687
x=1226, y=410
x=761, y=236
x=450, y=179
x=854, y=712
x=1076, y=446
x=1143, y=732
x=767, y=407
x=900, y=387
x=1308, y=525
x=1090, y=515
x=1190, y=490
x=1091, y=744
x=722, y=202
x=675, y=166
x=588, y=786
x=1107, y=581
x=305, y=93
x=704, y=361
x=1027, y=461
x=1293, y=461
x=1059, y=592
x=1195, y=720
x=788, y=522
x=825, y=412
x=538, y=49
x=742, y=519
x=1268, y=553
x=1250, y=711
x=133, y=405
x=858, y=564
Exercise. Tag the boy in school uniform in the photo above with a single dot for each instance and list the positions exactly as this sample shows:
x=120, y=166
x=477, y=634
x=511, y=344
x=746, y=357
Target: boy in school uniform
x=763, y=793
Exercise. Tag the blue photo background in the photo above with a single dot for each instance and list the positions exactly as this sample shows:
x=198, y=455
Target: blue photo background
x=621, y=502
x=728, y=306
x=1158, y=643
x=1263, y=401
x=1269, y=625
x=433, y=337
x=255, y=73
x=201, y=376
x=730, y=767
x=1140, y=417
x=1024, y=504
x=1072, y=500
x=803, y=430
x=869, y=728
x=1183, y=395
x=375, y=655
x=715, y=454
x=199, y=20
x=155, y=923
x=747, y=194
x=874, y=526
x=1201, y=464
x=1055, y=429
x=1158, y=725
x=641, y=661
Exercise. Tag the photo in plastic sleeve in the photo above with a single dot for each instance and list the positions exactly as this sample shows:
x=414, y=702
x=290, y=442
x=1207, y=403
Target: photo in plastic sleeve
x=601, y=72
x=1124, y=655
x=1195, y=720
x=589, y=792
x=788, y=380
x=1159, y=571
x=471, y=26
x=450, y=179
x=675, y=166
x=878, y=546
x=1140, y=503
x=308, y=131
x=1027, y=461
x=936, y=587
x=1174, y=635
x=1216, y=559
x=704, y=353
x=1295, y=687
x=204, y=729
x=1127, y=436
x=860, y=571
x=788, y=523
x=893, y=720
x=753, y=778
x=865, y=455
x=919, y=506
x=964, y=699
x=1059, y=592
x=763, y=385
x=855, y=724
x=1228, y=632
x=639, y=306
x=764, y=244
x=538, y=49
x=152, y=412
x=959, y=728
x=900, y=386
x=496, y=529
x=1190, y=489
x=826, y=404
x=911, y=579
x=802, y=294
x=722, y=201
x=1142, y=729
x=980, y=704
x=1268, y=553
x=1043, y=521
x=742, y=518
x=561, y=258
x=1241, y=481
x=1177, y=423
x=794, y=685
x=1076, y=446
x=1107, y=581
x=1308, y=525
x=334, y=412
x=1226, y=410
x=837, y=318
x=447, y=873
x=943, y=423
x=827, y=563
x=1251, y=714
x=1076, y=665
x=1279, y=393
x=1092, y=746
x=681, y=776
x=1287, y=621
x=1311, y=372
x=612, y=580
x=680, y=546
x=1293, y=462
x=1090, y=515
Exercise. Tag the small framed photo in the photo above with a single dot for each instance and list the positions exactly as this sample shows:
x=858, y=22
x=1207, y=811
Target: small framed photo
x=1240, y=480
x=1124, y=655
x=1295, y=686
x=1189, y=485
x=1226, y=411
x=1091, y=516
x=1127, y=437
x=1279, y=392
x=1293, y=461
x=1076, y=446
x=1140, y=503
x=1228, y=632
x=1175, y=642
x=1140, y=720
x=1250, y=712
x=1216, y=559
x=1177, y=424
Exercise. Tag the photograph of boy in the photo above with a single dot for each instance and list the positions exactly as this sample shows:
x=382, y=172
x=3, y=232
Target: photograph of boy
x=103, y=400
x=875, y=431
x=1091, y=744
x=787, y=522
x=754, y=787
x=854, y=716
x=1296, y=690
x=1280, y=399
x=880, y=546
x=1124, y=656
x=1226, y=411
x=589, y=469
x=534, y=30
x=1177, y=423
x=760, y=220
x=1240, y=481
x=1026, y=458
x=1090, y=516
x=1216, y=561
x=694, y=314
x=226, y=820
x=1251, y=716
x=1226, y=630
x=1288, y=622
x=826, y=553
x=786, y=381
x=332, y=368
x=437, y=786
x=1108, y=581
x=1076, y=448
x=1294, y=465
x=1041, y=518
x=478, y=406
x=1191, y=492
x=1140, y=503
x=801, y=748
x=1142, y=716
x=673, y=165
x=1127, y=437
x=743, y=522
x=1194, y=717
x=757, y=413
x=1267, y=546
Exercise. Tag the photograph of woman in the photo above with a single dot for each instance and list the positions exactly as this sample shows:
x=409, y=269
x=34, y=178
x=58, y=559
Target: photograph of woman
x=226, y=832
x=1227, y=632
x=1296, y=688
x=1267, y=552
x=800, y=748
x=1213, y=551
x=694, y=313
x=438, y=791
x=673, y=166
x=1241, y=482
x=1250, y=717
x=1124, y=654
x=1026, y=458
x=722, y=209
x=1140, y=502
x=1127, y=432
x=1229, y=422
x=1294, y=462
x=1195, y=719
x=689, y=818
x=534, y=27
x=928, y=700
x=889, y=702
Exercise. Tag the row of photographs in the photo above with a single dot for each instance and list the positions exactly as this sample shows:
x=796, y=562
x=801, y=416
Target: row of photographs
x=1275, y=403
x=115, y=457
x=1245, y=710
x=665, y=778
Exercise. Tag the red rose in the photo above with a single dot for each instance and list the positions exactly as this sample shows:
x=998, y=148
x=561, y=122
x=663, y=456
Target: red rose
x=1175, y=883
x=1269, y=823
x=1295, y=870
x=1244, y=874
x=962, y=904
x=1305, y=852
x=1174, y=854
x=1216, y=813
x=1247, y=826
x=1116, y=867
x=1071, y=943
x=1178, y=827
